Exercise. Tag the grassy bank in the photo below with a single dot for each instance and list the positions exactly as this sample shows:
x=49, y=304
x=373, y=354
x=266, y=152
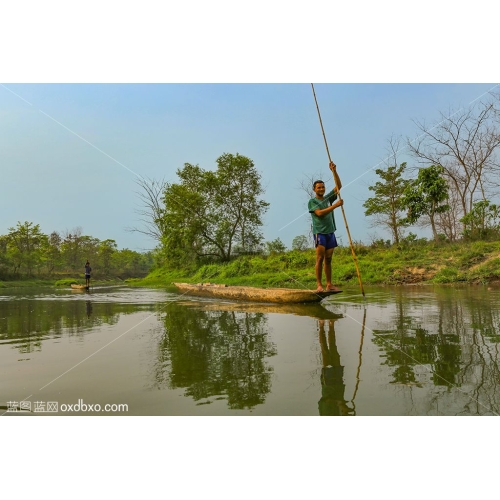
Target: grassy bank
x=474, y=262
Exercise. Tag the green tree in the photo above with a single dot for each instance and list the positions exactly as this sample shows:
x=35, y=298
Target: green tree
x=482, y=221
x=52, y=252
x=105, y=252
x=71, y=249
x=5, y=263
x=300, y=243
x=275, y=246
x=425, y=196
x=387, y=205
x=25, y=243
x=209, y=212
x=77, y=248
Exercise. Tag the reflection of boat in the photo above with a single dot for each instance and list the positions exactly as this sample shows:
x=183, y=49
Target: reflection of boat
x=313, y=310
x=252, y=294
x=79, y=287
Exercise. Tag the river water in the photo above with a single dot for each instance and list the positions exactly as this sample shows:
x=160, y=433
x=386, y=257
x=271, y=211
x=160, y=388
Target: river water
x=135, y=351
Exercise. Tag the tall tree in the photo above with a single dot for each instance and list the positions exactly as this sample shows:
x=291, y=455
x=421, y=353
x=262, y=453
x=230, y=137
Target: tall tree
x=466, y=144
x=151, y=210
x=5, y=262
x=300, y=243
x=25, y=242
x=208, y=212
x=52, y=252
x=71, y=249
x=105, y=250
x=387, y=206
x=426, y=197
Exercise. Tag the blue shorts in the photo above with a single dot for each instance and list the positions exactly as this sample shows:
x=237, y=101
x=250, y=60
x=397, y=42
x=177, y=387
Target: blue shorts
x=326, y=240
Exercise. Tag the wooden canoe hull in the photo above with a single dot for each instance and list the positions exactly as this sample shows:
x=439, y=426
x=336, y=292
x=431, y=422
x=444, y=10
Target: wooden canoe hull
x=79, y=287
x=251, y=294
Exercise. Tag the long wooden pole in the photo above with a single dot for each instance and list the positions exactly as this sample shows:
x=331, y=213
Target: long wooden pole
x=338, y=193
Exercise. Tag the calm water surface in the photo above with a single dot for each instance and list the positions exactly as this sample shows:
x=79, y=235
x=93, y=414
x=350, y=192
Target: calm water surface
x=402, y=351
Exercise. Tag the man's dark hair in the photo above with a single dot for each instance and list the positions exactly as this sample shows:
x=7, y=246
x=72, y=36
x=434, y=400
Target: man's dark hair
x=317, y=182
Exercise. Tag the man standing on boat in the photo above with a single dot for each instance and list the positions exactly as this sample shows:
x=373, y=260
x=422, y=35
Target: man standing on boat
x=88, y=269
x=323, y=227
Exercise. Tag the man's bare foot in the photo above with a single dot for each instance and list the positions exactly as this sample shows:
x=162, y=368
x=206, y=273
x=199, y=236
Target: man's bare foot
x=320, y=288
x=331, y=288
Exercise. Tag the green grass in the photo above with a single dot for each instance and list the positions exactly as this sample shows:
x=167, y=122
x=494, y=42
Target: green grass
x=464, y=262
x=447, y=263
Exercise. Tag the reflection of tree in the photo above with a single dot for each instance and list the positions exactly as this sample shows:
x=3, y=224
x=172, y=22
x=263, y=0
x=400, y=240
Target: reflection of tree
x=475, y=320
x=216, y=353
x=332, y=400
x=25, y=323
x=457, y=339
x=407, y=344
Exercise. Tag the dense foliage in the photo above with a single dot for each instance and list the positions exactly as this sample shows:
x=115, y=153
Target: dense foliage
x=209, y=213
x=26, y=252
x=426, y=196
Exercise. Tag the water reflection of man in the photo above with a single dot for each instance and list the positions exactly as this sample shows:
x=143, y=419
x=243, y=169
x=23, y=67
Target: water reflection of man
x=89, y=308
x=332, y=400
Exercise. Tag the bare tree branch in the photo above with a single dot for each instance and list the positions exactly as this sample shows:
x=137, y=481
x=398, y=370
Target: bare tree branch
x=151, y=195
x=466, y=144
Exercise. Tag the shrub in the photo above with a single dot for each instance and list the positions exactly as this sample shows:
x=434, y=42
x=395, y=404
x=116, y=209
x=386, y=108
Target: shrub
x=448, y=275
x=66, y=282
x=208, y=271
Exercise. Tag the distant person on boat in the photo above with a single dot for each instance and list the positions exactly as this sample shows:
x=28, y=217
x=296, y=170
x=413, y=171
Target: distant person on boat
x=88, y=269
x=323, y=227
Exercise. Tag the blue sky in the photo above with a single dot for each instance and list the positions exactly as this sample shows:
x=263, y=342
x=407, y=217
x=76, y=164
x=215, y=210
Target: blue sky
x=70, y=152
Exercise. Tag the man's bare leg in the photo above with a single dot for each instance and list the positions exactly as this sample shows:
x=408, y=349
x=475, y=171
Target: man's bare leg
x=328, y=271
x=320, y=257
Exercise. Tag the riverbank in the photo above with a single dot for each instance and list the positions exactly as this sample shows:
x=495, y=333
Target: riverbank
x=464, y=262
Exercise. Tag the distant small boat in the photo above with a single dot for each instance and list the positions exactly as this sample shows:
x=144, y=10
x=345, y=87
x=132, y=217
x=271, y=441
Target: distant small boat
x=79, y=287
x=252, y=294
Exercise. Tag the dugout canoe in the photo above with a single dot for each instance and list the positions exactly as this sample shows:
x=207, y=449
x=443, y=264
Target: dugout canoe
x=79, y=287
x=252, y=294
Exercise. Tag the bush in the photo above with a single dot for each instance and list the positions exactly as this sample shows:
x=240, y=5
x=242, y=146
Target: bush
x=208, y=272
x=448, y=275
x=297, y=259
x=66, y=282
x=239, y=267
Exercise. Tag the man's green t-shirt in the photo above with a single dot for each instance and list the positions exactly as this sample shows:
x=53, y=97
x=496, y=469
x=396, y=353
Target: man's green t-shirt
x=325, y=224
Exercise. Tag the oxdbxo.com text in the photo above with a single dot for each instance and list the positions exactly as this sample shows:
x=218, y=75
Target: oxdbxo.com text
x=86, y=407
